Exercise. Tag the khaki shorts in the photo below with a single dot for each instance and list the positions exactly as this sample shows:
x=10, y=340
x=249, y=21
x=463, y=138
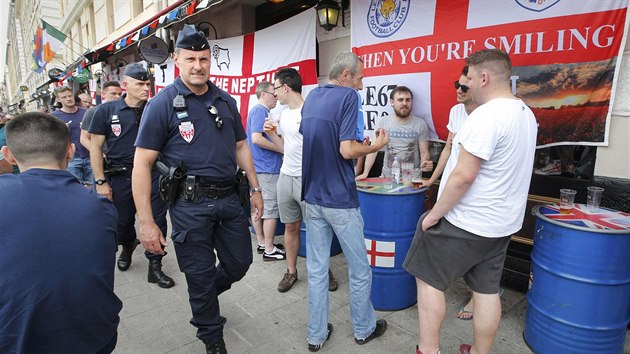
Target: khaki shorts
x=268, y=183
x=445, y=252
x=291, y=208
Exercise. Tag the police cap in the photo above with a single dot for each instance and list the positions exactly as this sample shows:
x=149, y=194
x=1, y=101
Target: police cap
x=191, y=39
x=136, y=71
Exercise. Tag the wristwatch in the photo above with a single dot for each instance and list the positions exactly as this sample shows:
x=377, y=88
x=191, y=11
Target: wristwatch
x=100, y=182
x=257, y=190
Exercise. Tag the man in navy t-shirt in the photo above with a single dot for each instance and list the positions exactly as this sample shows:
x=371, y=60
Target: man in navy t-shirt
x=72, y=115
x=329, y=123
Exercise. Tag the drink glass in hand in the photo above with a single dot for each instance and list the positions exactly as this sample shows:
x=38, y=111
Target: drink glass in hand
x=273, y=123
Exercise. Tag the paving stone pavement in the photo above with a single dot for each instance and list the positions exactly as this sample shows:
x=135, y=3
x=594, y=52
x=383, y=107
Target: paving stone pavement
x=262, y=320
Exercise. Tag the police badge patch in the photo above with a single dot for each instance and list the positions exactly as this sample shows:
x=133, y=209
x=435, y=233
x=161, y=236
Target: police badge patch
x=187, y=131
x=116, y=129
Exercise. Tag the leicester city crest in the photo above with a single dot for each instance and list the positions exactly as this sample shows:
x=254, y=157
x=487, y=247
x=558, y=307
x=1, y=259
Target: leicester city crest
x=385, y=17
x=537, y=5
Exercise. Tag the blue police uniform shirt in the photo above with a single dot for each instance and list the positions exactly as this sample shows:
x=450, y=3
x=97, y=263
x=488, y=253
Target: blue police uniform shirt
x=265, y=161
x=75, y=120
x=119, y=124
x=57, y=254
x=329, y=116
x=190, y=137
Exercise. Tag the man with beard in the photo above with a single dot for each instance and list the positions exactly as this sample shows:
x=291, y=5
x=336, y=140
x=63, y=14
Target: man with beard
x=116, y=123
x=408, y=136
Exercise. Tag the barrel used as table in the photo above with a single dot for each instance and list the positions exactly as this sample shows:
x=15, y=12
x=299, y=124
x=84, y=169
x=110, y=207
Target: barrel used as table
x=579, y=293
x=390, y=216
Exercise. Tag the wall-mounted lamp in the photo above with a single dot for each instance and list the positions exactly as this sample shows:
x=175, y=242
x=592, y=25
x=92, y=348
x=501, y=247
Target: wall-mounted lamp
x=206, y=31
x=328, y=14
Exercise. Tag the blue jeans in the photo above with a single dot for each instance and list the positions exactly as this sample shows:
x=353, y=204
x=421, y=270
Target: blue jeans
x=348, y=225
x=81, y=169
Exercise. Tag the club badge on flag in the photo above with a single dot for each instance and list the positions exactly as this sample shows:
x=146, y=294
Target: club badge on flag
x=381, y=253
x=116, y=129
x=187, y=131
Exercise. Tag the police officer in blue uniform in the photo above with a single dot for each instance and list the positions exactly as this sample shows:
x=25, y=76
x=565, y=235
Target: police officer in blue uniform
x=50, y=302
x=115, y=123
x=196, y=126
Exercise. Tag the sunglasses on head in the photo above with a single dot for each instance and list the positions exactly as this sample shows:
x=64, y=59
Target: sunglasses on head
x=460, y=86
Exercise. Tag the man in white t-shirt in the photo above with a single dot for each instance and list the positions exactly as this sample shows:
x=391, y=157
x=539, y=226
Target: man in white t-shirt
x=465, y=105
x=408, y=136
x=481, y=202
x=288, y=90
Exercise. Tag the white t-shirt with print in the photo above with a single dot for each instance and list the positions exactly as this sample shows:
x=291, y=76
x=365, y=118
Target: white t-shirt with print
x=289, y=127
x=502, y=133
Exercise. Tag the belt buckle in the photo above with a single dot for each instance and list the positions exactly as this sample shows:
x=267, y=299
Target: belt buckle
x=213, y=193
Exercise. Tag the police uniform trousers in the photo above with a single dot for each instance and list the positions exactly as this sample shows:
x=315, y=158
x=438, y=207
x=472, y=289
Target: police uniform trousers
x=123, y=201
x=198, y=229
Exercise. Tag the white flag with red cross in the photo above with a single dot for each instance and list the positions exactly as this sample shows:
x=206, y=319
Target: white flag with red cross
x=381, y=253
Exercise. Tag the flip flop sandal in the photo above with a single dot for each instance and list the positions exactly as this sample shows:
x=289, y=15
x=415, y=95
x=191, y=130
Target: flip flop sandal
x=462, y=311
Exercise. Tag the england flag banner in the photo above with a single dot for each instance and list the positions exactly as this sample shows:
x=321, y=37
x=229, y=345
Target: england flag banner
x=565, y=54
x=240, y=63
x=381, y=253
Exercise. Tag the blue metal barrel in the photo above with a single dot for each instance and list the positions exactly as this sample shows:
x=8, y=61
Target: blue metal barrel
x=578, y=300
x=335, y=247
x=390, y=217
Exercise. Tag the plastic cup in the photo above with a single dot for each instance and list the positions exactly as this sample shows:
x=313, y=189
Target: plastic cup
x=274, y=122
x=594, y=196
x=566, y=200
x=388, y=183
x=407, y=169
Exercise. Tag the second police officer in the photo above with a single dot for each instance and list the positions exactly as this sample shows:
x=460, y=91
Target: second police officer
x=195, y=125
x=115, y=124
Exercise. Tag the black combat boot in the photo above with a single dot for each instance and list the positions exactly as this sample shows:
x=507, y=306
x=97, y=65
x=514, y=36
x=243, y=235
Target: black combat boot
x=156, y=275
x=124, y=260
x=216, y=346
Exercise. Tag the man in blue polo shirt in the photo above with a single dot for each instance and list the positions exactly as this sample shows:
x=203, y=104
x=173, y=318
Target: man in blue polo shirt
x=116, y=123
x=58, y=248
x=267, y=158
x=329, y=124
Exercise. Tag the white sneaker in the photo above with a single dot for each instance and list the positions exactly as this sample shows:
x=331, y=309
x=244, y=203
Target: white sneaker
x=552, y=169
x=276, y=255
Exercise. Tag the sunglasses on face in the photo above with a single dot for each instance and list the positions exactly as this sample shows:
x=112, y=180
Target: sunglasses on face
x=460, y=86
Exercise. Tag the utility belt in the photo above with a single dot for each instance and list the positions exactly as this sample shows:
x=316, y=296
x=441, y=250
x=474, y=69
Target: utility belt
x=192, y=189
x=175, y=183
x=112, y=168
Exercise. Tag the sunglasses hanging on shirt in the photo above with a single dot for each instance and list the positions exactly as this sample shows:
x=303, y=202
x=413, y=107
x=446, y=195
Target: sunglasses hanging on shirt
x=217, y=120
x=460, y=86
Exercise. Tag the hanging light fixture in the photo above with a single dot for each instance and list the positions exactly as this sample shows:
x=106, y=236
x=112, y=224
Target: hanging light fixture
x=328, y=14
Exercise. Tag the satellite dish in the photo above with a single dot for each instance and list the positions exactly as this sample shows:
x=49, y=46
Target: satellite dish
x=153, y=50
x=54, y=73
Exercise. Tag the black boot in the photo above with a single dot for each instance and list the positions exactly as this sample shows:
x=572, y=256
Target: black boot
x=216, y=346
x=124, y=260
x=156, y=275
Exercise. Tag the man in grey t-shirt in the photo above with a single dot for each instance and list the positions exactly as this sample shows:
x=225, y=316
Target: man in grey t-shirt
x=408, y=136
